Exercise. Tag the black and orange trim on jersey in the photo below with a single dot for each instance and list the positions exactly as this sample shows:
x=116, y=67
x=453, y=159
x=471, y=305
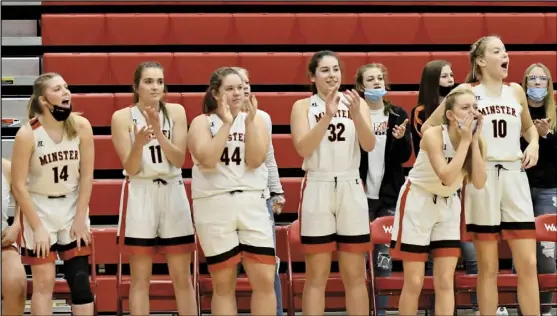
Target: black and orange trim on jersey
x=149, y=246
x=409, y=252
x=35, y=123
x=332, y=242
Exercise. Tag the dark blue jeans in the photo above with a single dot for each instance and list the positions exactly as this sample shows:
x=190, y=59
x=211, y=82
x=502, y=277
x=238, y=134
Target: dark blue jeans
x=545, y=202
x=278, y=287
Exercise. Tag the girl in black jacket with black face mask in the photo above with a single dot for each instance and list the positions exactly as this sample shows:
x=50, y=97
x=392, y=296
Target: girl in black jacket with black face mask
x=437, y=81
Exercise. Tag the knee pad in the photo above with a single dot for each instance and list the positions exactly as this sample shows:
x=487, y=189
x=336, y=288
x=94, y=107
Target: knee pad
x=76, y=272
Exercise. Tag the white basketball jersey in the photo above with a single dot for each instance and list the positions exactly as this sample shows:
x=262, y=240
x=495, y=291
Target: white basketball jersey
x=5, y=200
x=54, y=167
x=153, y=161
x=423, y=175
x=502, y=125
x=339, y=149
x=231, y=173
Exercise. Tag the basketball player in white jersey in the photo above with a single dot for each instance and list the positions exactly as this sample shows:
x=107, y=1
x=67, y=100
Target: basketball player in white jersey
x=229, y=147
x=150, y=139
x=54, y=152
x=273, y=193
x=14, y=280
x=428, y=210
x=503, y=208
x=328, y=129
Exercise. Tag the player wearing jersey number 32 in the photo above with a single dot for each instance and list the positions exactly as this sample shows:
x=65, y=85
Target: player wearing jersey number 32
x=54, y=154
x=150, y=139
x=328, y=129
x=503, y=208
x=229, y=148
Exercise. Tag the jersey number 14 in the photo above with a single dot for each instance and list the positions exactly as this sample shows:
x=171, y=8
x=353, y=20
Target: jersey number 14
x=60, y=174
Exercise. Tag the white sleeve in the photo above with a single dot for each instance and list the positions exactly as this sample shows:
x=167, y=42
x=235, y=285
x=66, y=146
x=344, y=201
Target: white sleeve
x=270, y=162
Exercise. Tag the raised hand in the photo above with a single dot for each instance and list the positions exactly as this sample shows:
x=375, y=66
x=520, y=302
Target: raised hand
x=331, y=103
x=143, y=136
x=223, y=110
x=399, y=130
x=466, y=127
x=251, y=107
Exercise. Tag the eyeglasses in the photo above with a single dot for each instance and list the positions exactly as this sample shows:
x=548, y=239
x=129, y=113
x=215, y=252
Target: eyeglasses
x=535, y=77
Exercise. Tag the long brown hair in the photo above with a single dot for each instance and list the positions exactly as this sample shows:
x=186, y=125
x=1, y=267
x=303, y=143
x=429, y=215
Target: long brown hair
x=209, y=103
x=34, y=108
x=360, y=83
x=549, y=102
x=450, y=102
x=477, y=50
x=138, y=75
x=313, y=63
x=429, y=86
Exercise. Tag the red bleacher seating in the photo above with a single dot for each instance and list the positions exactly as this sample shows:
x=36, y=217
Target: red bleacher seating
x=98, y=107
x=287, y=68
x=293, y=28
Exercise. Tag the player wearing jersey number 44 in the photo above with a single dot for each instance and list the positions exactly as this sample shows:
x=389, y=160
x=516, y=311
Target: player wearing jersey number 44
x=229, y=147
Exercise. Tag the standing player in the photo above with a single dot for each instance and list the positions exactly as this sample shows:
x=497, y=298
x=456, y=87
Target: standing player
x=14, y=280
x=54, y=152
x=328, y=129
x=229, y=147
x=273, y=193
x=504, y=206
x=428, y=208
x=150, y=139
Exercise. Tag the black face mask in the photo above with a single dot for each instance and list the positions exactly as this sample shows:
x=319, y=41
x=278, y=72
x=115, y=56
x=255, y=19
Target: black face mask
x=60, y=113
x=444, y=91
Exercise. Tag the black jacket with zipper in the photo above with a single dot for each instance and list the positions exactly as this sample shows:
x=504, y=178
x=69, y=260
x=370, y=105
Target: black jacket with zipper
x=397, y=152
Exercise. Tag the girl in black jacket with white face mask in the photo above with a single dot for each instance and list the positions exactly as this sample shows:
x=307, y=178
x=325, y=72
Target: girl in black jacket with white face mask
x=538, y=86
x=381, y=169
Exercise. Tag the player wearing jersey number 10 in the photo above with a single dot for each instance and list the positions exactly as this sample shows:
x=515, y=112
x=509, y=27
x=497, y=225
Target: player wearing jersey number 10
x=503, y=208
x=328, y=129
x=229, y=147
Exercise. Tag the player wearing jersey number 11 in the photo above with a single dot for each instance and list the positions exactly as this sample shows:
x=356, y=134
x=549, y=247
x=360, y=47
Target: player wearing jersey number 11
x=150, y=139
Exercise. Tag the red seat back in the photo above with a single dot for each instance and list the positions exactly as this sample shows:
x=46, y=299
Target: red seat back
x=546, y=227
x=381, y=229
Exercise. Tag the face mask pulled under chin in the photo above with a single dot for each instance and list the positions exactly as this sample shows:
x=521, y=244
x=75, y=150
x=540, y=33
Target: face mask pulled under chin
x=60, y=113
x=375, y=94
x=445, y=90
